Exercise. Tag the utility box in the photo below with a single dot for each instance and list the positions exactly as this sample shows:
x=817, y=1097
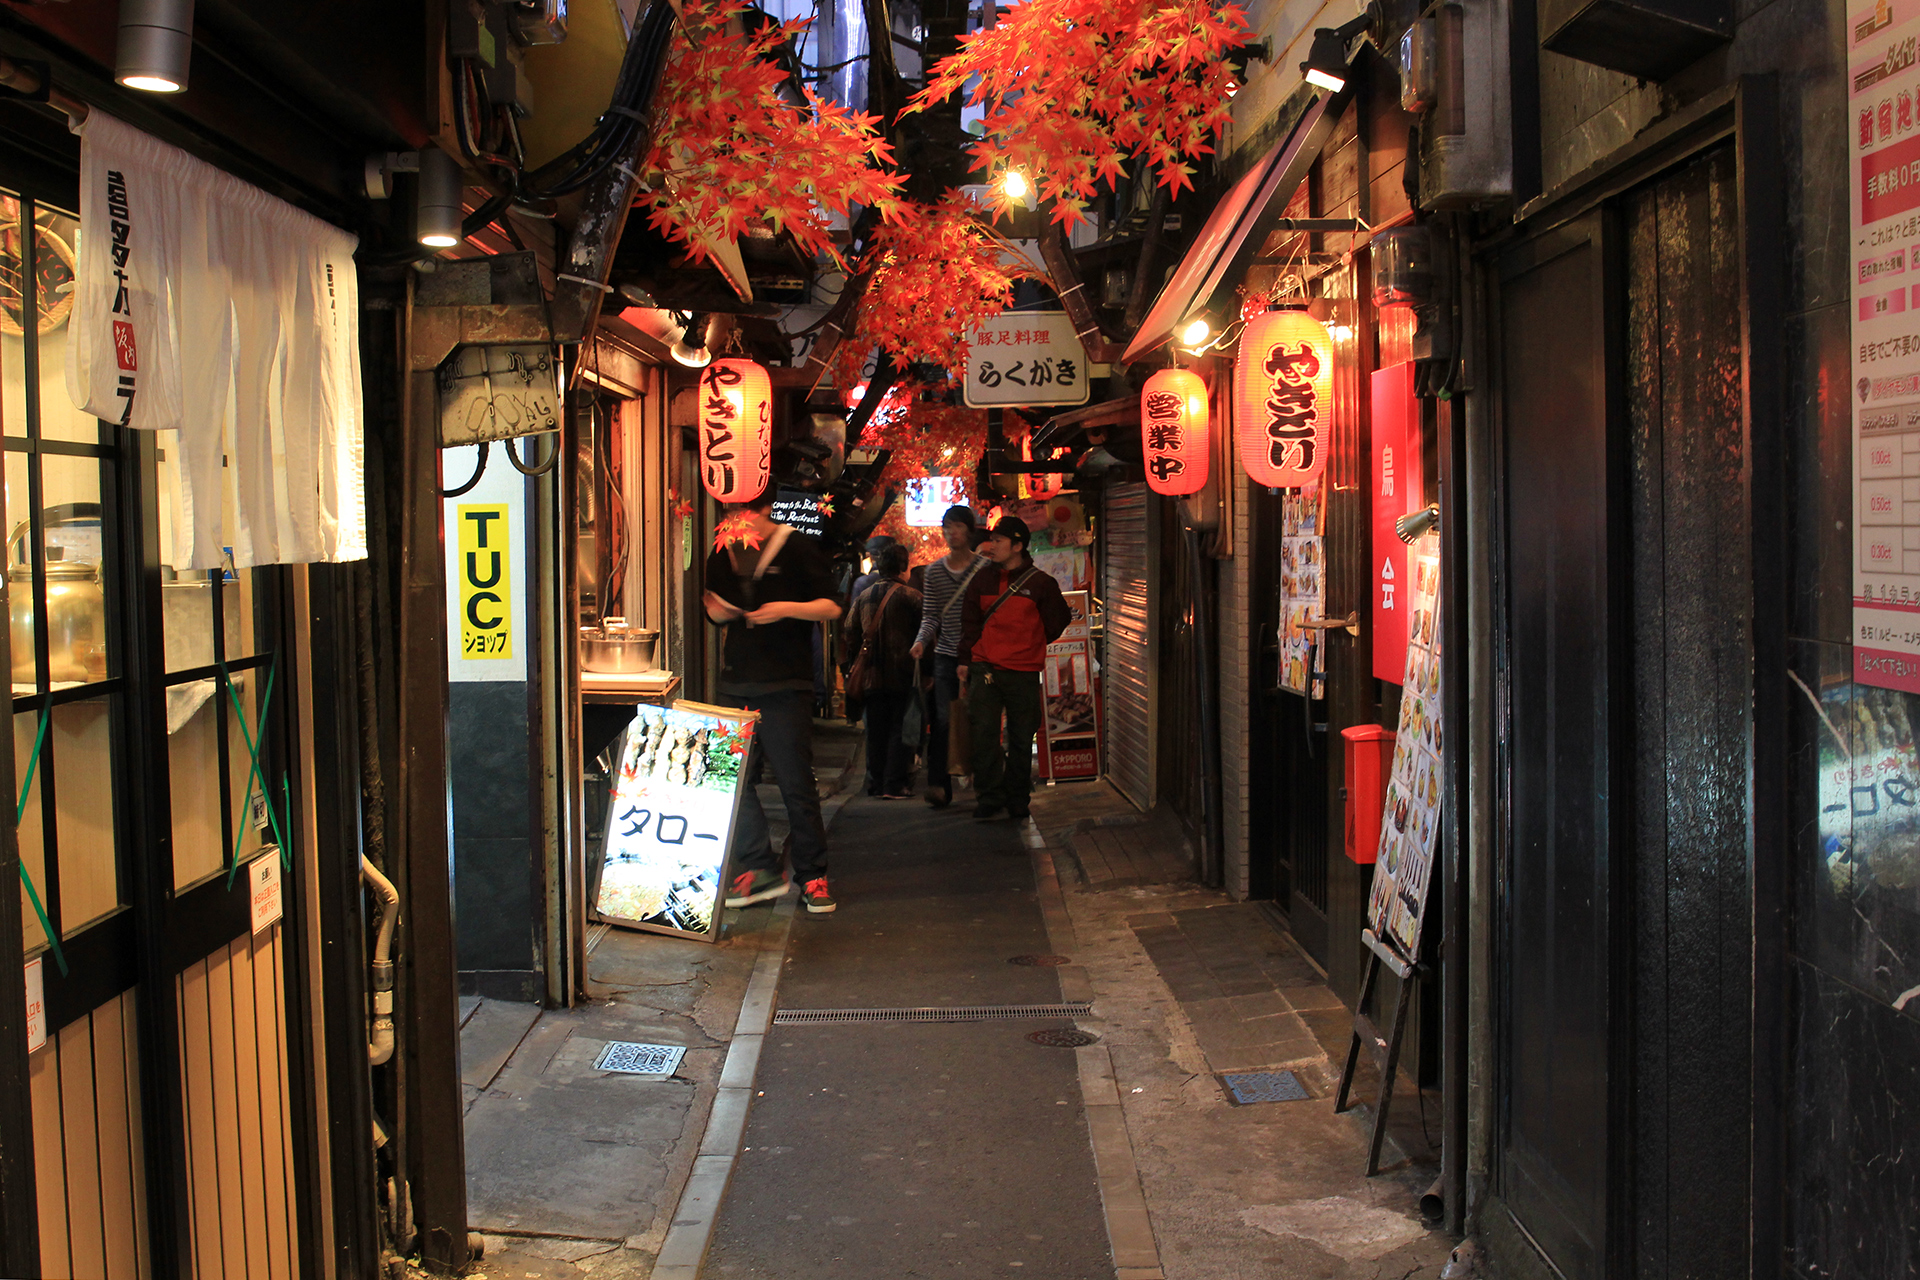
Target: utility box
x=1369, y=759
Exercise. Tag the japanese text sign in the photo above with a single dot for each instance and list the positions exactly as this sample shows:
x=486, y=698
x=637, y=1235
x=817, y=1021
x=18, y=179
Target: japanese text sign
x=1397, y=489
x=1025, y=358
x=486, y=583
x=670, y=821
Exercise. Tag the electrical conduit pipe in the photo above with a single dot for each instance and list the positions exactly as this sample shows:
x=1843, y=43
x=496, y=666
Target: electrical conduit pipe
x=380, y=1033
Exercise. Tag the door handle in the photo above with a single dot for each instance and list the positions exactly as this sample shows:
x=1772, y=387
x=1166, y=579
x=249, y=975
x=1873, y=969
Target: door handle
x=1351, y=623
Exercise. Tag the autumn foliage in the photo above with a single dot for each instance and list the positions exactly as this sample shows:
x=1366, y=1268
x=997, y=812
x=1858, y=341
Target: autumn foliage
x=729, y=152
x=1072, y=89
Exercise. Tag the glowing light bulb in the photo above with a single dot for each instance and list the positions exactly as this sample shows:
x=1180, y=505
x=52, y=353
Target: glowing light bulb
x=1015, y=184
x=1195, y=332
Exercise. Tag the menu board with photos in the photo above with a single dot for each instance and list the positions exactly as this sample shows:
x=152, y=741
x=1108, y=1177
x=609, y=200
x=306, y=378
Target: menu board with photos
x=1410, y=824
x=676, y=796
x=1069, y=743
x=1303, y=586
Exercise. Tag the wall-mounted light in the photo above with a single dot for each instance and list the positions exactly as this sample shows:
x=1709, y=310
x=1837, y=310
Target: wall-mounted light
x=1415, y=525
x=690, y=349
x=156, y=45
x=1194, y=333
x=1326, y=64
x=437, y=216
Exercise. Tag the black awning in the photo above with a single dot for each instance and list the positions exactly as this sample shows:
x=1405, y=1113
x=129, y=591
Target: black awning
x=1238, y=225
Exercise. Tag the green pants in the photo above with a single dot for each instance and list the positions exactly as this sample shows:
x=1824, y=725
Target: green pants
x=1003, y=777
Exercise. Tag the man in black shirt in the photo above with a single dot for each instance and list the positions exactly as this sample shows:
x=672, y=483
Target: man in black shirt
x=767, y=589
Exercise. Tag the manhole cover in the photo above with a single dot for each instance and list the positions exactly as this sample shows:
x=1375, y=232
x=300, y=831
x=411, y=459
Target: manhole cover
x=639, y=1059
x=1041, y=962
x=1264, y=1086
x=1064, y=1038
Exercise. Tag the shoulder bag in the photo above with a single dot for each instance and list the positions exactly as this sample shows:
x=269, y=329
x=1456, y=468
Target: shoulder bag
x=861, y=678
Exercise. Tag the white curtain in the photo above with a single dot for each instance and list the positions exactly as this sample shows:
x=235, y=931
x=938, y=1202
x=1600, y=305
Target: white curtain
x=228, y=320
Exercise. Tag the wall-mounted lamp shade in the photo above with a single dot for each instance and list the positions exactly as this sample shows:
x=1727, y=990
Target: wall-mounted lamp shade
x=1415, y=525
x=156, y=45
x=690, y=348
x=438, y=215
x=1283, y=398
x=736, y=429
x=1176, y=437
x=1326, y=64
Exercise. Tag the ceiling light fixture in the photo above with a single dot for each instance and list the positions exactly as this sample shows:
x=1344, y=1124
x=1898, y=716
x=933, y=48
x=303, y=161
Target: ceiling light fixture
x=437, y=215
x=155, y=46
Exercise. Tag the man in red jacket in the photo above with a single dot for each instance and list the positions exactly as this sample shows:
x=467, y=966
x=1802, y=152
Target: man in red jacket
x=1009, y=615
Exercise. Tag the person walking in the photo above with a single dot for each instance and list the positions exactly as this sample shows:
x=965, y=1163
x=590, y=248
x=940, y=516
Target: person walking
x=885, y=619
x=767, y=589
x=1009, y=615
x=946, y=580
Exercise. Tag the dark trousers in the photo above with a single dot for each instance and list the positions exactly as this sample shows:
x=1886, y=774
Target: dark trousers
x=889, y=760
x=946, y=688
x=785, y=744
x=1003, y=777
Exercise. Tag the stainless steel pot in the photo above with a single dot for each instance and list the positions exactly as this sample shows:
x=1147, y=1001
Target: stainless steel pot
x=617, y=652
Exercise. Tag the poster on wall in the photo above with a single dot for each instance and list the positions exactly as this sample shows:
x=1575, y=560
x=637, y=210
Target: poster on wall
x=1070, y=726
x=1410, y=822
x=1303, y=584
x=1883, y=84
x=675, y=799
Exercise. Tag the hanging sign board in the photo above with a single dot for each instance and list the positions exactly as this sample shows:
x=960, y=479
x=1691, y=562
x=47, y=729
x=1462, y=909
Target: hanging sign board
x=36, y=1005
x=1025, y=358
x=1883, y=80
x=486, y=581
x=497, y=393
x=1410, y=821
x=1070, y=694
x=1303, y=592
x=1397, y=489
x=676, y=797
x=263, y=885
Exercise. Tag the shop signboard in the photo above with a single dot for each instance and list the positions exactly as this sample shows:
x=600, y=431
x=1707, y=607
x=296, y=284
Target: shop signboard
x=1883, y=83
x=1397, y=489
x=486, y=562
x=670, y=819
x=1410, y=820
x=36, y=1004
x=1070, y=727
x=1026, y=358
x=801, y=511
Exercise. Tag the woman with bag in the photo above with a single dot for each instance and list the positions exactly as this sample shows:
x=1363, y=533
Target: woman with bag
x=885, y=618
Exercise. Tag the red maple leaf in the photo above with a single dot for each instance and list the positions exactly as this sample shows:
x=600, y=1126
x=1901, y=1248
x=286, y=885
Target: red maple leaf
x=737, y=530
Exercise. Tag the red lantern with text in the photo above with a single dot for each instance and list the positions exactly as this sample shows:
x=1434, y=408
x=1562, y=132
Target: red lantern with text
x=736, y=429
x=1283, y=399
x=1176, y=438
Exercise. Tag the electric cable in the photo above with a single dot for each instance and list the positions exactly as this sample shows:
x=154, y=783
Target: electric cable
x=553, y=456
x=479, y=469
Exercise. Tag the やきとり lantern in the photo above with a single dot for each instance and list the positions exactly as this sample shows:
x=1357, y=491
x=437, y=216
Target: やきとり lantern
x=1175, y=435
x=736, y=429
x=1283, y=398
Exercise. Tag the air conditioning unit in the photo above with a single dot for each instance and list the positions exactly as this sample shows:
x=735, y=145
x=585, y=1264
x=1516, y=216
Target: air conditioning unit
x=1466, y=140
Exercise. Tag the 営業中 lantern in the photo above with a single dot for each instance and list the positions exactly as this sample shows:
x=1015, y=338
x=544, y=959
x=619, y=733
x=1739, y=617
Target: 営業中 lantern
x=1283, y=398
x=736, y=429
x=1175, y=436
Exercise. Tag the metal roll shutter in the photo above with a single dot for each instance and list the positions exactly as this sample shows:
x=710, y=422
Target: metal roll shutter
x=1129, y=659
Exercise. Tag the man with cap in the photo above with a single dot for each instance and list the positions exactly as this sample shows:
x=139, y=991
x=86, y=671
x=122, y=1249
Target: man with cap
x=946, y=579
x=1010, y=613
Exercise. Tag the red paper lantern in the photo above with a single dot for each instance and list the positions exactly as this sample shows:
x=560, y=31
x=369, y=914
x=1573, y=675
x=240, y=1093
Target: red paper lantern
x=1283, y=399
x=736, y=429
x=1176, y=437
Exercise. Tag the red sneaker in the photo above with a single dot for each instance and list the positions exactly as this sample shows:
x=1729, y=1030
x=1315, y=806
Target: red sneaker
x=750, y=887
x=816, y=897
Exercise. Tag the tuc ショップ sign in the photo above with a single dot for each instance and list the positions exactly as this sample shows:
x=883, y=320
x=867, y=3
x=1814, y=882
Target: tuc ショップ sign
x=1025, y=358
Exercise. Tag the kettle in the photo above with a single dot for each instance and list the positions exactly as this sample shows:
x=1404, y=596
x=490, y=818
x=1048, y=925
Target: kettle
x=76, y=615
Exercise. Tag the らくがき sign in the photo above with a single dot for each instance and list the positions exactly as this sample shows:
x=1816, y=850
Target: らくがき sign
x=670, y=820
x=1025, y=358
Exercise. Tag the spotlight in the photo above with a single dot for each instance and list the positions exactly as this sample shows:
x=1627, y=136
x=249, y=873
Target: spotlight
x=1414, y=525
x=1195, y=332
x=691, y=349
x=156, y=44
x=1015, y=184
x=438, y=214
x=1326, y=64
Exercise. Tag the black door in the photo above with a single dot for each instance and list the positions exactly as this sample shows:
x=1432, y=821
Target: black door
x=1560, y=494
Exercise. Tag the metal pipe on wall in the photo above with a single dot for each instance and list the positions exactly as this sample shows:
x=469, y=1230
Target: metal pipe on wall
x=1197, y=562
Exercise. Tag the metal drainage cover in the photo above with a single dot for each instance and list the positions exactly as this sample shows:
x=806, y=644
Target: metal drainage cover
x=1040, y=962
x=1264, y=1086
x=639, y=1059
x=1064, y=1038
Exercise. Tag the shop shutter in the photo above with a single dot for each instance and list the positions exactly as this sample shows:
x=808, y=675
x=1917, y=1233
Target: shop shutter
x=1129, y=661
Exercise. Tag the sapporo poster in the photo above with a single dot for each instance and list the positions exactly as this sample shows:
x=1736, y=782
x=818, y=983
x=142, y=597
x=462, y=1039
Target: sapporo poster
x=1303, y=588
x=1410, y=825
x=1883, y=85
x=675, y=798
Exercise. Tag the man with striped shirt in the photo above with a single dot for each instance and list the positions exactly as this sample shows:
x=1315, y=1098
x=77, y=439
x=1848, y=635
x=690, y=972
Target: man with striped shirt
x=940, y=629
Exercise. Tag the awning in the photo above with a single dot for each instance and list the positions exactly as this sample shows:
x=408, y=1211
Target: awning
x=1239, y=224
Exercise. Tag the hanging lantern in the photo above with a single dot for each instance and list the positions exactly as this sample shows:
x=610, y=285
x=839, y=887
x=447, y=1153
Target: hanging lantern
x=1038, y=486
x=1283, y=399
x=736, y=429
x=1175, y=436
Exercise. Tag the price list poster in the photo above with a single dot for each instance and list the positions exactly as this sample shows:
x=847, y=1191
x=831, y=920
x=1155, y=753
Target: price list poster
x=1884, y=229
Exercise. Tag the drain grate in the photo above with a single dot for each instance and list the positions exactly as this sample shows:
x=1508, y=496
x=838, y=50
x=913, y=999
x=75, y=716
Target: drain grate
x=1064, y=1038
x=1264, y=1086
x=964, y=1013
x=1040, y=962
x=639, y=1059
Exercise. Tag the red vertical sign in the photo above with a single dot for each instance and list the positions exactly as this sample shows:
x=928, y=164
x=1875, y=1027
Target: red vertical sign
x=1397, y=489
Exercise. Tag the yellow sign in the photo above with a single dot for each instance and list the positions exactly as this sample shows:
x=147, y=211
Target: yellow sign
x=486, y=582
